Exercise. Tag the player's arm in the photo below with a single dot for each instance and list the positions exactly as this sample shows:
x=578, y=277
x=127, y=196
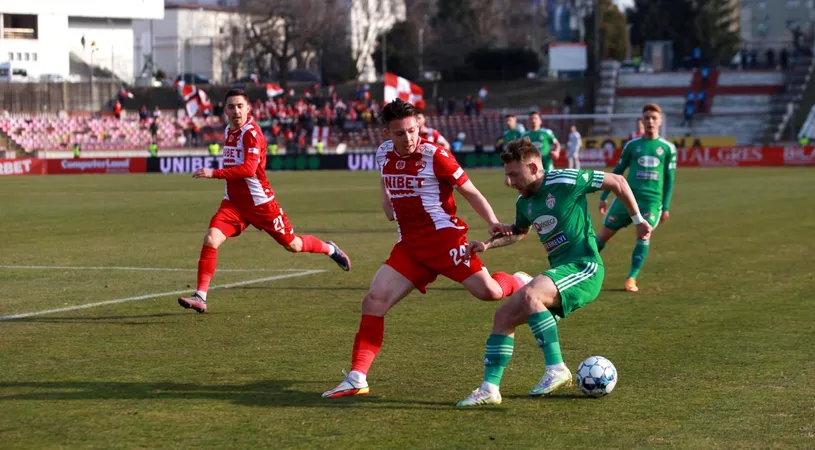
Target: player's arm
x=479, y=203
x=248, y=168
x=443, y=142
x=668, y=186
x=503, y=235
x=622, y=191
x=387, y=206
x=619, y=169
x=555, y=145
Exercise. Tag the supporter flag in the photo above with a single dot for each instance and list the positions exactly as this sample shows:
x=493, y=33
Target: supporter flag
x=398, y=87
x=195, y=100
x=320, y=134
x=273, y=90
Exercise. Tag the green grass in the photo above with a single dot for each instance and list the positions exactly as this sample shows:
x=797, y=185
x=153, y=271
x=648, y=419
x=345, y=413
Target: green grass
x=716, y=352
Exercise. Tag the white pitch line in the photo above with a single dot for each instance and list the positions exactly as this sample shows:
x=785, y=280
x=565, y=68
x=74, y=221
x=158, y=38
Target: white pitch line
x=144, y=269
x=161, y=294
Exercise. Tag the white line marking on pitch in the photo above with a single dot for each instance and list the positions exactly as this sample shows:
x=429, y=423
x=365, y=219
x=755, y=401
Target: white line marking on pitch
x=145, y=269
x=161, y=294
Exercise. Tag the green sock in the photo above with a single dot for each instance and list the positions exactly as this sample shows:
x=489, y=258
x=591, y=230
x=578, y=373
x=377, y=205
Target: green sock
x=497, y=356
x=638, y=258
x=600, y=244
x=544, y=327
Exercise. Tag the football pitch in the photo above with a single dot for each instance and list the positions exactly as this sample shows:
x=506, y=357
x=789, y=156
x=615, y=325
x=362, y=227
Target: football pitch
x=715, y=352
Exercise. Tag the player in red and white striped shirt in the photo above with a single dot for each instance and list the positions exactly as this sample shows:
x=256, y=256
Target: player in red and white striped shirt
x=248, y=200
x=430, y=134
x=418, y=180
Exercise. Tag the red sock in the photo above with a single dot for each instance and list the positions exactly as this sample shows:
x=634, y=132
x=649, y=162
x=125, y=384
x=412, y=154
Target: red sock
x=312, y=244
x=367, y=342
x=206, y=266
x=509, y=284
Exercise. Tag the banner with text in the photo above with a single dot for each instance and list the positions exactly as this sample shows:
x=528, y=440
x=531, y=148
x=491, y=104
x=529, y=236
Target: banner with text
x=604, y=142
x=96, y=165
x=23, y=166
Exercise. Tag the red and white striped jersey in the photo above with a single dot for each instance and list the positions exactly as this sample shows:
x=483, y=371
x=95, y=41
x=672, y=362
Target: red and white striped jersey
x=245, y=166
x=430, y=135
x=421, y=189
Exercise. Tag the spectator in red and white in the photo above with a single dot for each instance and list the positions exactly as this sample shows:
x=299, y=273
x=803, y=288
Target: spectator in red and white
x=430, y=134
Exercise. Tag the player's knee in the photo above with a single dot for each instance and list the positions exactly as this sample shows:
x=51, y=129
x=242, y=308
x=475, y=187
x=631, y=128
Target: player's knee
x=214, y=238
x=375, y=303
x=533, y=300
x=295, y=246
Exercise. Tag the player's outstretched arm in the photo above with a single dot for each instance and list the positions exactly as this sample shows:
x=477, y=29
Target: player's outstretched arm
x=387, y=206
x=619, y=186
x=444, y=142
x=619, y=169
x=509, y=236
x=480, y=204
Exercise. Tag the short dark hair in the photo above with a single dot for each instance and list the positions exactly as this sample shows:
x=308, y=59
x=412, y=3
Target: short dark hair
x=509, y=116
x=534, y=113
x=398, y=109
x=519, y=150
x=236, y=93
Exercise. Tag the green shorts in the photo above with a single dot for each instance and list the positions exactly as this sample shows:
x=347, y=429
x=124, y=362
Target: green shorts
x=578, y=282
x=617, y=216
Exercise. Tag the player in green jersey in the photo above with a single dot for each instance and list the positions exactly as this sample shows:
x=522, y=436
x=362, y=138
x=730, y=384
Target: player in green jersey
x=544, y=139
x=513, y=131
x=651, y=163
x=552, y=203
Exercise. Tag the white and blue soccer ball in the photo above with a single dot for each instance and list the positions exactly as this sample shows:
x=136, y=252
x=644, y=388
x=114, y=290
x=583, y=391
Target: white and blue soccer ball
x=596, y=376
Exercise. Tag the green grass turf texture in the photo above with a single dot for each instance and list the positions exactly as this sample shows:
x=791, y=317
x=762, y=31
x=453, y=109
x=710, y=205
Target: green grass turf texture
x=715, y=352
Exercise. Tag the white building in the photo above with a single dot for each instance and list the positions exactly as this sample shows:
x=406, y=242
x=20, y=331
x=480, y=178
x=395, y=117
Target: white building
x=46, y=36
x=192, y=37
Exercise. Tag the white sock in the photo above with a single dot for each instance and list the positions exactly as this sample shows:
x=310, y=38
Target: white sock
x=489, y=387
x=201, y=294
x=561, y=366
x=357, y=377
x=330, y=250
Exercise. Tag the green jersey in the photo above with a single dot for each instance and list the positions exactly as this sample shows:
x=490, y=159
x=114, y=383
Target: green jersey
x=651, y=164
x=544, y=139
x=559, y=214
x=509, y=135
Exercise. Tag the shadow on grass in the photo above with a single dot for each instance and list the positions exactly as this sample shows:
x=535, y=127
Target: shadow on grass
x=265, y=394
x=547, y=398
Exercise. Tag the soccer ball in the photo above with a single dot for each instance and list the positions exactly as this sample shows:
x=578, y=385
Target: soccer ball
x=596, y=376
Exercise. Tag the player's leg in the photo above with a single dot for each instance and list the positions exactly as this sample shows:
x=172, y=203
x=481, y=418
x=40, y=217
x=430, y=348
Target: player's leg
x=615, y=219
x=640, y=253
x=523, y=304
x=497, y=286
x=226, y=222
x=392, y=282
x=576, y=157
x=449, y=258
x=560, y=291
x=272, y=219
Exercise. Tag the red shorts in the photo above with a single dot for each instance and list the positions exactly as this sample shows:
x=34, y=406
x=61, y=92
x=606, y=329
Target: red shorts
x=441, y=254
x=267, y=217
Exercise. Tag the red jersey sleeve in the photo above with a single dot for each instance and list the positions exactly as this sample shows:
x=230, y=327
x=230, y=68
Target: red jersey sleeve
x=447, y=168
x=436, y=135
x=251, y=145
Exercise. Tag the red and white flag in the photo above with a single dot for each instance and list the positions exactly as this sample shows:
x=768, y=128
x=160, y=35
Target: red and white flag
x=273, y=90
x=398, y=87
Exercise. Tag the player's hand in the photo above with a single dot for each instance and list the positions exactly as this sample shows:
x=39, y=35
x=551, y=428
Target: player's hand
x=644, y=231
x=500, y=228
x=476, y=247
x=664, y=217
x=203, y=173
x=603, y=207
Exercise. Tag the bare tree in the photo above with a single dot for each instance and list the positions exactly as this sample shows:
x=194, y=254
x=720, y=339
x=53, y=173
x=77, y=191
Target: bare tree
x=283, y=31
